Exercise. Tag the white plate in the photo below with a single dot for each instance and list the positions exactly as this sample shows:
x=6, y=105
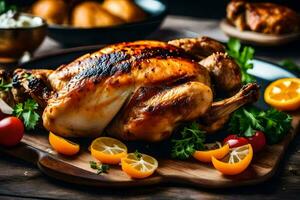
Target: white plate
x=257, y=38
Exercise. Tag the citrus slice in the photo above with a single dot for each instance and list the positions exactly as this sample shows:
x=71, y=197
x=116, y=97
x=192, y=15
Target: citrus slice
x=236, y=161
x=139, y=166
x=284, y=94
x=62, y=145
x=108, y=150
x=213, y=150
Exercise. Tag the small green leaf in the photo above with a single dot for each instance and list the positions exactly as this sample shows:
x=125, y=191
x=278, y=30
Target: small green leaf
x=138, y=155
x=244, y=58
x=249, y=132
x=234, y=45
x=290, y=65
x=27, y=112
x=5, y=86
x=275, y=124
x=93, y=165
x=101, y=168
x=190, y=139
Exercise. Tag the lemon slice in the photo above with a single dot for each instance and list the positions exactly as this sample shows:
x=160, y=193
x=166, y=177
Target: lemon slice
x=62, y=145
x=108, y=150
x=284, y=94
x=140, y=166
x=236, y=161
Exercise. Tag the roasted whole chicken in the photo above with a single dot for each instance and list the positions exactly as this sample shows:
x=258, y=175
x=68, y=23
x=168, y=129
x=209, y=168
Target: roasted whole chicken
x=137, y=90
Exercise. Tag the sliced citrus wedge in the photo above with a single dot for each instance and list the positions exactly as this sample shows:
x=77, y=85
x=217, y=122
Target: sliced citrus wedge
x=236, y=161
x=108, y=150
x=62, y=145
x=213, y=150
x=284, y=94
x=140, y=166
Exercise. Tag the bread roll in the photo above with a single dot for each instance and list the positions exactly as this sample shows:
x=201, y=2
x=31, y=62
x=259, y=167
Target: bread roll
x=125, y=9
x=92, y=14
x=53, y=11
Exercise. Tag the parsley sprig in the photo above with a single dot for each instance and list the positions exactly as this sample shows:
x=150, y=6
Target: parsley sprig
x=5, y=86
x=243, y=57
x=138, y=155
x=290, y=65
x=4, y=7
x=27, y=112
x=101, y=168
x=273, y=123
x=191, y=139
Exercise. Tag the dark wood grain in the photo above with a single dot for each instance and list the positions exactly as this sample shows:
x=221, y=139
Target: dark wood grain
x=284, y=185
x=35, y=148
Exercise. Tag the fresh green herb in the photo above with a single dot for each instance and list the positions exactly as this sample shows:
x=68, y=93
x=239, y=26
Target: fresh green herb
x=28, y=76
x=243, y=57
x=191, y=139
x=93, y=165
x=138, y=155
x=27, y=112
x=101, y=168
x=273, y=123
x=4, y=7
x=5, y=86
x=290, y=65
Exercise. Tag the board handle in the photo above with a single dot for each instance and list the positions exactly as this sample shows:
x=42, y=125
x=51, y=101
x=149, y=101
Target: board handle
x=23, y=151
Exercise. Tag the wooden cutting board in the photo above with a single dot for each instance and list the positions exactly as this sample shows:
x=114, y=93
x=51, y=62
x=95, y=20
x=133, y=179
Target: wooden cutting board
x=36, y=149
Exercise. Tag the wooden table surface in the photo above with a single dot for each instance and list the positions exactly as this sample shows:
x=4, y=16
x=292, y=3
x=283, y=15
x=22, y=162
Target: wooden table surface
x=20, y=180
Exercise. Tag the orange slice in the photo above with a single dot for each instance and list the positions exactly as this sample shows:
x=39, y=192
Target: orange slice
x=108, y=150
x=284, y=94
x=139, y=166
x=62, y=145
x=214, y=150
x=236, y=161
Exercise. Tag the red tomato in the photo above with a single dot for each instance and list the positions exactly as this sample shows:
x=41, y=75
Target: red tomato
x=235, y=141
x=257, y=141
x=11, y=131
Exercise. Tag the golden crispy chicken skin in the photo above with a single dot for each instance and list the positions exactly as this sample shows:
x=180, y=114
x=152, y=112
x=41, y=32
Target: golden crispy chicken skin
x=200, y=47
x=89, y=95
x=224, y=71
x=263, y=17
x=136, y=90
x=153, y=112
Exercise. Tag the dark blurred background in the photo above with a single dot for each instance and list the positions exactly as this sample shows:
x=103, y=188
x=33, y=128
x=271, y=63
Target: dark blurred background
x=213, y=9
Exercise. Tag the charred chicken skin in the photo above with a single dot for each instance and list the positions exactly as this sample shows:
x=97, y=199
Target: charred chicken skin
x=136, y=91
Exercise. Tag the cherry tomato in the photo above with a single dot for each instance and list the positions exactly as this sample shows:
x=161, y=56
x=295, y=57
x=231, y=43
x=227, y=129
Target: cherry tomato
x=258, y=141
x=235, y=141
x=11, y=131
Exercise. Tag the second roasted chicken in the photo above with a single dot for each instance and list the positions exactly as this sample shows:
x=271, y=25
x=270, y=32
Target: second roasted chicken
x=138, y=90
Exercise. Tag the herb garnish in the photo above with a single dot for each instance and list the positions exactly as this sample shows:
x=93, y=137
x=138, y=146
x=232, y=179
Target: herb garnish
x=5, y=86
x=243, y=57
x=27, y=112
x=4, y=7
x=138, y=155
x=290, y=65
x=273, y=123
x=191, y=139
x=101, y=168
x=27, y=76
